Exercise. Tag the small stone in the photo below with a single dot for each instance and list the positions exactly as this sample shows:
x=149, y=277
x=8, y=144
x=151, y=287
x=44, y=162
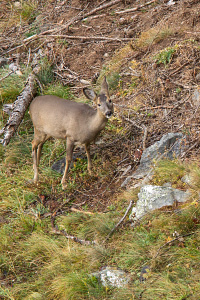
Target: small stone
x=17, y=4
x=187, y=179
x=111, y=277
x=196, y=97
x=122, y=21
x=3, y=61
x=198, y=77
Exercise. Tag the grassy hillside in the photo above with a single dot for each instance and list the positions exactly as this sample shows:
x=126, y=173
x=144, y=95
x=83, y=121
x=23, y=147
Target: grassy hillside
x=152, y=77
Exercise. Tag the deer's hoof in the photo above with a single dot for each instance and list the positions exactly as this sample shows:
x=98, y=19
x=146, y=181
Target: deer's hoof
x=90, y=172
x=64, y=185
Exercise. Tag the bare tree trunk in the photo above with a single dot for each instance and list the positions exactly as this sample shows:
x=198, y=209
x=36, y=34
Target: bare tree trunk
x=19, y=108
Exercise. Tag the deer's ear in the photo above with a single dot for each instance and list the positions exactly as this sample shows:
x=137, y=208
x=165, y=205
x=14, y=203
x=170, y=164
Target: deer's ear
x=89, y=93
x=104, y=87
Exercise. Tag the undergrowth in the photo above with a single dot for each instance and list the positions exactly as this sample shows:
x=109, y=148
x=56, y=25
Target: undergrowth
x=38, y=262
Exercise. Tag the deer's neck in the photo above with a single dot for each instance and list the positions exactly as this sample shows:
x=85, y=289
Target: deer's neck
x=99, y=122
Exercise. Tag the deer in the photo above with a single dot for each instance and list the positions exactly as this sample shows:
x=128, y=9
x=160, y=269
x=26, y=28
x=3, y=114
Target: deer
x=75, y=122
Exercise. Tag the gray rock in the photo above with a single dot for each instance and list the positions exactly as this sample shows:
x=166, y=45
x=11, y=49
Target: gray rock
x=187, y=179
x=145, y=272
x=171, y=2
x=170, y=146
x=196, y=97
x=167, y=184
x=59, y=166
x=111, y=277
x=3, y=61
x=154, y=197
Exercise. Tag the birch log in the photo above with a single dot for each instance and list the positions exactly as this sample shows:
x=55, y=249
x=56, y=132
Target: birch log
x=19, y=108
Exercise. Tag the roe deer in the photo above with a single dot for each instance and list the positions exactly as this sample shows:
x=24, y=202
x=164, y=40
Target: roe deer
x=64, y=119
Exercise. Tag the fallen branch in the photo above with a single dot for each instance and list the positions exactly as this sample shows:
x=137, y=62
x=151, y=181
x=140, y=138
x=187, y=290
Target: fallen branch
x=68, y=236
x=93, y=11
x=19, y=108
x=26, y=41
x=144, y=137
x=74, y=20
x=88, y=38
x=81, y=211
x=121, y=221
x=47, y=33
x=135, y=8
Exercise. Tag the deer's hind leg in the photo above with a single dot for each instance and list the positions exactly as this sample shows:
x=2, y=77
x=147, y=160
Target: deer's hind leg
x=89, y=166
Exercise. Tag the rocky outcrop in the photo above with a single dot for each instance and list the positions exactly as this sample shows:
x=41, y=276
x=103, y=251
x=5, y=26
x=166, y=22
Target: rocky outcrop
x=170, y=146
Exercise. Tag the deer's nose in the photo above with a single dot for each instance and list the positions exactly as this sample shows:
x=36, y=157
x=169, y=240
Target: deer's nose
x=109, y=113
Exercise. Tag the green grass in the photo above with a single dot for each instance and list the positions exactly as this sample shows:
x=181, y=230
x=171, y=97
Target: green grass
x=45, y=75
x=36, y=263
x=169, y=171
x=11, y=86
x=59, y=90
x=43, y=265
x=28, y=10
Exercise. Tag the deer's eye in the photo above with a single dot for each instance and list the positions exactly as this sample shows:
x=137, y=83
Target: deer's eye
x=99, y=104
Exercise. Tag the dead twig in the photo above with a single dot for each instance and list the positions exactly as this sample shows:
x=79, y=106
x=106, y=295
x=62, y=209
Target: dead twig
x=6, y=75
x=81, y=211
x=54, y=214
x=157, y=107
x=175, y=239
x=93, y=11
x=177, y=70
x=47, y=33
x=182, y=85
x=68, y=236
x=74, y=20
x=96, y=17
x=188, y=150
x=121, y=221
x=135, y=8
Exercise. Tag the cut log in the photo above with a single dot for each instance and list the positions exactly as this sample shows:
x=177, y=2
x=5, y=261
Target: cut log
x=19, y=108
